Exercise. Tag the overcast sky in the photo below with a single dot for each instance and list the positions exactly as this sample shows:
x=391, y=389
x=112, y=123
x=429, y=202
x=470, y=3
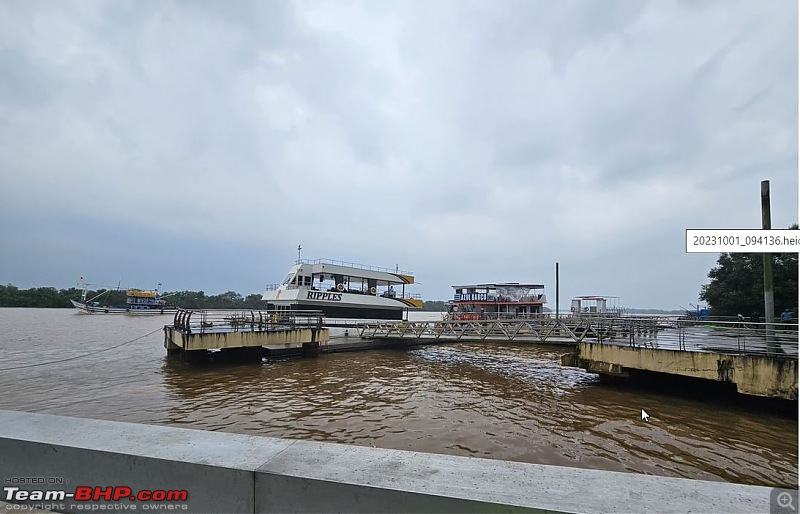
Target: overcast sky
x=198, y=143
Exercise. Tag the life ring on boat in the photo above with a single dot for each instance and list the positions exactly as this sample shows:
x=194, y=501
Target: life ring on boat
x=340, y=287
x=105, y=310
x=373, y=290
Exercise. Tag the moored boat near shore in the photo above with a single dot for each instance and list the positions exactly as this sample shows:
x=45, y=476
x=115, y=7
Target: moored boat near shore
x=137, y=301
x=495, y=301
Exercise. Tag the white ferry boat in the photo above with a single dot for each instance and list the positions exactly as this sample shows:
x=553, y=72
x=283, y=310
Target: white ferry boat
x=496, y=301
x=344, y=290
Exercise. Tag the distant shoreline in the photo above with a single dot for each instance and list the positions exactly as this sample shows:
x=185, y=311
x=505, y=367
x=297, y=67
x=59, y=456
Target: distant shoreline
x=53, y=298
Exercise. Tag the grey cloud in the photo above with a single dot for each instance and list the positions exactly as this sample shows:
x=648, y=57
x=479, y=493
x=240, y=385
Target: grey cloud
x=24, y=83
x=466, y=140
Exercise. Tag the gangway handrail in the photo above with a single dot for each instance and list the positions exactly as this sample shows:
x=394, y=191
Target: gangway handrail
x=241, y=320
x=645, y=332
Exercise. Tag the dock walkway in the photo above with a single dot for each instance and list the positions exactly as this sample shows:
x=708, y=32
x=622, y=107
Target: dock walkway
x=193, y=333
x=542, y=329
x=759, y=359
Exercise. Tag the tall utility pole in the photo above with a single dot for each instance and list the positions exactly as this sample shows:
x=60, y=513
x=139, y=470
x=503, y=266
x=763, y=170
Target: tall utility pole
x=769, y=298
x=556, y=291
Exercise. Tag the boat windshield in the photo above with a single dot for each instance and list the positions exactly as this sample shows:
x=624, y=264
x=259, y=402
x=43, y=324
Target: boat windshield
x=287, y=279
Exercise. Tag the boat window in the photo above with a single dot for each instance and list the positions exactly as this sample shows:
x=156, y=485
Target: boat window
x=287, y=279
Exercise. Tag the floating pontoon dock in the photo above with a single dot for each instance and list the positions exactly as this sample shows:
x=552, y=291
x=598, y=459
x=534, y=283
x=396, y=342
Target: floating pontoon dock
x=193, y=333
x=759, y=359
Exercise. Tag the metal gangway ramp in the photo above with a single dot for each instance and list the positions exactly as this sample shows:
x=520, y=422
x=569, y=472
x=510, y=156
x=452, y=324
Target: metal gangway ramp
x=569, y=330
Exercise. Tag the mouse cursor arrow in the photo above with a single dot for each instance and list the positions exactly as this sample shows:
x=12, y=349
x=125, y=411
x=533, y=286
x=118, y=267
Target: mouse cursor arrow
x=645, y=416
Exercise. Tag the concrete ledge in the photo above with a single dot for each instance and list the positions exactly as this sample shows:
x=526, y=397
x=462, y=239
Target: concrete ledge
x=235, y=473
x=753, y=375
x=194, y=341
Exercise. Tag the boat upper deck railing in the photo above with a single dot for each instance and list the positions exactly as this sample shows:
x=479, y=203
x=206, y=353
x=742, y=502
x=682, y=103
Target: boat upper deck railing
x=386, y=294
x=354, y=265
x=141, y=293
x=484, y=297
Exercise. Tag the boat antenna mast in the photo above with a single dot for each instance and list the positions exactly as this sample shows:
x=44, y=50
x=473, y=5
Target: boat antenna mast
x=298, y=253
x=82, y=284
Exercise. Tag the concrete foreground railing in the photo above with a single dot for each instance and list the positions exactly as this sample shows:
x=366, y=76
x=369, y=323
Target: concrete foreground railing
x=224, y=472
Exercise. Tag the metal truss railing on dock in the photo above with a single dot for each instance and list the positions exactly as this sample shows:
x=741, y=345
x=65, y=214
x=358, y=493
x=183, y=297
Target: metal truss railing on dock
x=222, y=321
x=773, y=340
x=538, y=329
x=734, y=337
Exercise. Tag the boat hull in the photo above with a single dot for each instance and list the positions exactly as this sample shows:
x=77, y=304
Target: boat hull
x=342, y=305
x=133, y=311
x=351, y=312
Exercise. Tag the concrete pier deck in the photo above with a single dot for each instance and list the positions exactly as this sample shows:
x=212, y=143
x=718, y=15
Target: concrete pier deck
x=753, y=374
x=233, y=473
x=192, y=333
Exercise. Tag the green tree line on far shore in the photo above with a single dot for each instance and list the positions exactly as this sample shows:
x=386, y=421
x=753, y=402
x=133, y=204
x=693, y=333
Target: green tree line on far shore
x=50, y=297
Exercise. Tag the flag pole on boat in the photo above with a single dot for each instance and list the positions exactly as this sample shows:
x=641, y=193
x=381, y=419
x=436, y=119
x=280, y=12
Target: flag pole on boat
x=82, y=285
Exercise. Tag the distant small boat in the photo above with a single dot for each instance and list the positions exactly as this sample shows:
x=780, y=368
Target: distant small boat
x=137, y=302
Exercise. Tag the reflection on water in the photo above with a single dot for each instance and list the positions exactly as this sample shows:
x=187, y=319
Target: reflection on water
x=499, y=401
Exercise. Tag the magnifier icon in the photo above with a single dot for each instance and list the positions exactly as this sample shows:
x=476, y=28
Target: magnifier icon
x=785, y=501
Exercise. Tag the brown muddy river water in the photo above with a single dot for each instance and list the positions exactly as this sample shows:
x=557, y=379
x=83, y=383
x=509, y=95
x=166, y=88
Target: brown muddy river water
x=490, y=400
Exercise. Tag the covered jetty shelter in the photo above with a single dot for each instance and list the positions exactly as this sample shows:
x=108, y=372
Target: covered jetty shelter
x=493, y=301
x=595, y=305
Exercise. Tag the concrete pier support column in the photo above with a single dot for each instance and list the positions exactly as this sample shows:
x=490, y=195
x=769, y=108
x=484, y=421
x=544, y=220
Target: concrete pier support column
x=194, y=356
x=311, y=349
x=172, y=348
